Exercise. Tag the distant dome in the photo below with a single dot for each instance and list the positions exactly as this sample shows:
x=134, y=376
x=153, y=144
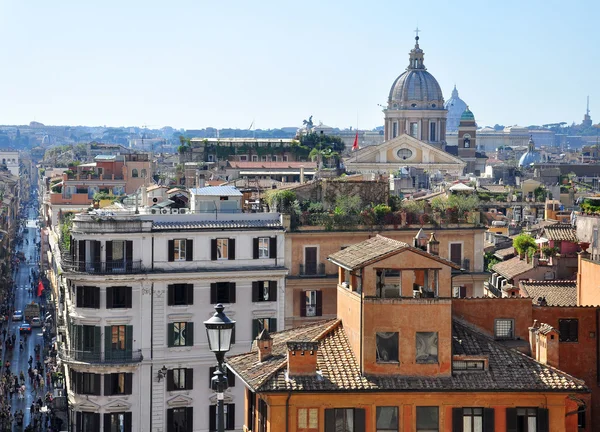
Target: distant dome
x=456, y=107
x=416, y=88
x=467, y=115
x=531, y=157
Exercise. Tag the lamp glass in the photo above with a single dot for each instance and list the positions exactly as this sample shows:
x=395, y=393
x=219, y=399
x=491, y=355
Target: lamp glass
x=219, y=329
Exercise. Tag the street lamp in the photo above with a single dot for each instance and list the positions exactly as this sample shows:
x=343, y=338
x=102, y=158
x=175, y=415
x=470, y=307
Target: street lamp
x=219, y=329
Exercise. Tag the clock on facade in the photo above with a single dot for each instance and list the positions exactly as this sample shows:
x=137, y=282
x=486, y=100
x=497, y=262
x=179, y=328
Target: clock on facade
x=404, y=153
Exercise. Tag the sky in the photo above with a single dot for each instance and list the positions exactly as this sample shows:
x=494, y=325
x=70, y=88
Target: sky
x=194, y=63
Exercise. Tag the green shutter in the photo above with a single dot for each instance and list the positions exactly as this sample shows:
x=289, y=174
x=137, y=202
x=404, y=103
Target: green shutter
x=171, y=334
x=272, y=325
x=107, y=343
x=255, y=328
x=97, y=342
x=128, y=341
x=189, y=334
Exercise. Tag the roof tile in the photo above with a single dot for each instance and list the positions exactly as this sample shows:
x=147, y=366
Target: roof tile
x=557, y=293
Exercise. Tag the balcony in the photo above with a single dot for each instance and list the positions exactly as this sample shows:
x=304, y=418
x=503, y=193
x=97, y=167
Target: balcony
x=312, y=270
x=102, y=267
x=96, y=357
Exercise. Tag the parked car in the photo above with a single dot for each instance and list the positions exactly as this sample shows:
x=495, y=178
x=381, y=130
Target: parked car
x=36, y=322
x=25, y=328
x=17, y=316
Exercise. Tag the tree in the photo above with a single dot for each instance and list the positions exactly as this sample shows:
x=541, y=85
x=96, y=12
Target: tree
x=524, y=244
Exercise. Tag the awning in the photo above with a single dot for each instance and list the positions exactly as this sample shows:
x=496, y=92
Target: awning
x=541, y=240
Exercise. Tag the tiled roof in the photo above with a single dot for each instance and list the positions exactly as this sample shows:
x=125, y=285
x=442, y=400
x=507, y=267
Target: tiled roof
x=546, y=328
x=212, y=224
x=493, y=188
x=338, y=369
x=272, y=165
x=216, y=191
x=557, y=293
x=504, y=253
x=513, y=267
x=360, y=254
x=560, y=232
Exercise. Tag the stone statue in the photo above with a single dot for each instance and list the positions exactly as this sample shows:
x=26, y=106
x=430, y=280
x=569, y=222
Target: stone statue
x=308, y=123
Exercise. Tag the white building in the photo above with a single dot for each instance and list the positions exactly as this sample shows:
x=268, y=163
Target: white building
x=11, y=160
x=136, y=289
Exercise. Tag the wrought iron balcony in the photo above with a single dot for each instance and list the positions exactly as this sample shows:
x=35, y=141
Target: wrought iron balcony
x=102, y=267
x=314, y=269
x=98, y=357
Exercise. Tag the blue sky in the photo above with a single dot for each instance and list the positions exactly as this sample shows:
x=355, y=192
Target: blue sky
x=196, y=63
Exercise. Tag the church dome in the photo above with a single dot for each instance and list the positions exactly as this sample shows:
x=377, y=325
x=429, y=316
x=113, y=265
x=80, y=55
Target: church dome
x=416, y=88
x=532, y=156
x=456, y=107
x=467, y=115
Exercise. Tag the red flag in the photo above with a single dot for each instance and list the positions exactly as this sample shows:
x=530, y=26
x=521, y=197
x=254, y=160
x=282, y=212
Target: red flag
x=40, y=288
x=355, y=145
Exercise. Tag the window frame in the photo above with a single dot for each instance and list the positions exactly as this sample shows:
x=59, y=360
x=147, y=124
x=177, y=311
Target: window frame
x=428, y=429
x=387, y=429
x=307, y=418
x=177, y=334
x=180, y=295
x=220, y=243
x=309, y=294
x=512, y=328
x=89, y=384
x=264, y=251
x=126, y=292
x=565, y=336
x=429, y=359
x=225, y=289
x=121, y=338
x=178, y=376
x=394, y=359
x=179, y=253
x=471, y=416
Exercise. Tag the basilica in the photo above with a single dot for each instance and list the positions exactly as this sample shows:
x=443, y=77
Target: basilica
x=416, y=120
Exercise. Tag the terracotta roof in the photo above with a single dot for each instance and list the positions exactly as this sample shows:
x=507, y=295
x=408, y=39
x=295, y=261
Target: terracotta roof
x=505, y=253
x=513, y=267
x=493, y=188
x=560, y=232
x=376, y=248
x=546, y=328
x=557, y=293
x=338, y=369
x=273, y=165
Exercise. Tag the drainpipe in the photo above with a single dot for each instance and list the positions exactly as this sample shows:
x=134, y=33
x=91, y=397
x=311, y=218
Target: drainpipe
x=287, y=411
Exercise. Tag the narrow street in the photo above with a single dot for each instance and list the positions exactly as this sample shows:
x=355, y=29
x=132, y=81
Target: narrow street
x=21, y=365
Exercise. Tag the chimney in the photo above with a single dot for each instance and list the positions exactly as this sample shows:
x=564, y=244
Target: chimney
x=144, y=194
x=547, y=341
x=200, y=180
x=433, y=246
x=301, y=174
x=302, y=358
x=265, y=346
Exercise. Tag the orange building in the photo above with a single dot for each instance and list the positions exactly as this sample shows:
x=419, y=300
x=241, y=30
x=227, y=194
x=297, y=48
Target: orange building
x=397, y=358
x=311, y=286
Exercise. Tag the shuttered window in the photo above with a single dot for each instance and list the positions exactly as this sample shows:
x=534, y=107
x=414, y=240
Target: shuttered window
x=180, y=295
x=180, y=419
x=527, y=420
x=117, y=422
x=229, y=410
x=345, y=419
x=263, y=291
x=568, y=329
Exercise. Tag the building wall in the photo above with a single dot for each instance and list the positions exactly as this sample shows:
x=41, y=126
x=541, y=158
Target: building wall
x=588, y=283
x=558, y=404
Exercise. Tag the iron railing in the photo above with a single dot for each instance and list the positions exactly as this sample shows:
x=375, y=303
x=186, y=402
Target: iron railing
x=102, y=267
x=316, y=269
x=99, y=357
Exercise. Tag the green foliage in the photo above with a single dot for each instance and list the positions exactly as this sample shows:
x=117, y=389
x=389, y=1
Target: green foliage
x=98, y=196
x=540, y=193
x=65, y=231
x=280, y=200
x=590, y=206
x=415, y=207
x=549, y=251
x=490, y=261
x=524, y=244
x=381, y=210
x=463, y=203
x=315, y=207
x=347, y=205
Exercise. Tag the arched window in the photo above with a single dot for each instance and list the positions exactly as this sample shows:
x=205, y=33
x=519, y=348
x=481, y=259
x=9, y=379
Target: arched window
x=144, y=174
x=134, y=173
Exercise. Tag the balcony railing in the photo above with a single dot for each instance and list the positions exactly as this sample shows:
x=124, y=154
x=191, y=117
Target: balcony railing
x=96, y=357
x=103, y=267
x=316, y=269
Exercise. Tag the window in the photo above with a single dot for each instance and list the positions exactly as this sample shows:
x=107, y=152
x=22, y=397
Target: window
x=243, y=158
x=88, y=297
x=119, y=255
x=229, y=410
x=427, y=347
x=428, y=419
x=456, y=253
x=404, y=153
x=263, y=415
x=254, y=158
x=251, y=410
x=179, y=250
x=274, y=158
x=222, y=249
x=181, y=334
x=263, y=291
x=86, y=383
x=180, y=419
x=117, y=422
x=527, y=419
x=472, y=419
x=118, y=384
x=222, y=292
x=180, y=379
x=431, y=131
x=344, y=420
x=581, y=417
x=180, y=294
x=260, y=324
x=263, y=247
x=144, y=173
x=118, y=342
x=387, y=347
x=459, y=292
x=394, y=129
x=87, y=421
x=568, y=329
x=387, y=419
x=388, y=283
x=134, y=173
x=285, y=158
x=118, y=297
x=308, y=419
x=311, y=303
x=414, y=130
x=504, y=328
x=310, y=260
x=227, y=371
x=462, y=365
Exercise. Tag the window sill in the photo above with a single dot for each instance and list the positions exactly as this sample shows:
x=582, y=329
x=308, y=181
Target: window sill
x=179, y=392
x=431, y=362
x=389, y=362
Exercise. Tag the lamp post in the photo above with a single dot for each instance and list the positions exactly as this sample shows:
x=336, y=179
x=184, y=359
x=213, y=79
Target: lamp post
x=219, y=329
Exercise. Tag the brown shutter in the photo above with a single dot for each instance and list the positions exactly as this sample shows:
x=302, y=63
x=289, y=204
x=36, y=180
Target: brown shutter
x=330, y=420
x=97, y=379
x=543, y=422
x=255, y=292
x=488, y=420
x=189, y=334
x=107, y=384
x=231, y=251
x=213, y=249
x=272, y=290
x=319, y=311
x=273, y=247
x=359, y=420
x=189, y=379
x=255, y=248
x=189, y=288
x=457, y=420
x=109, y=297
x=231, y=292
x=170, y=380
x=213, y=293
x=128, y=383
x=171, y=250
x=511, y=420
x=128, y=297
x=302, y=304
x=170, y=295
x=189, y=250
x=108, y=252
